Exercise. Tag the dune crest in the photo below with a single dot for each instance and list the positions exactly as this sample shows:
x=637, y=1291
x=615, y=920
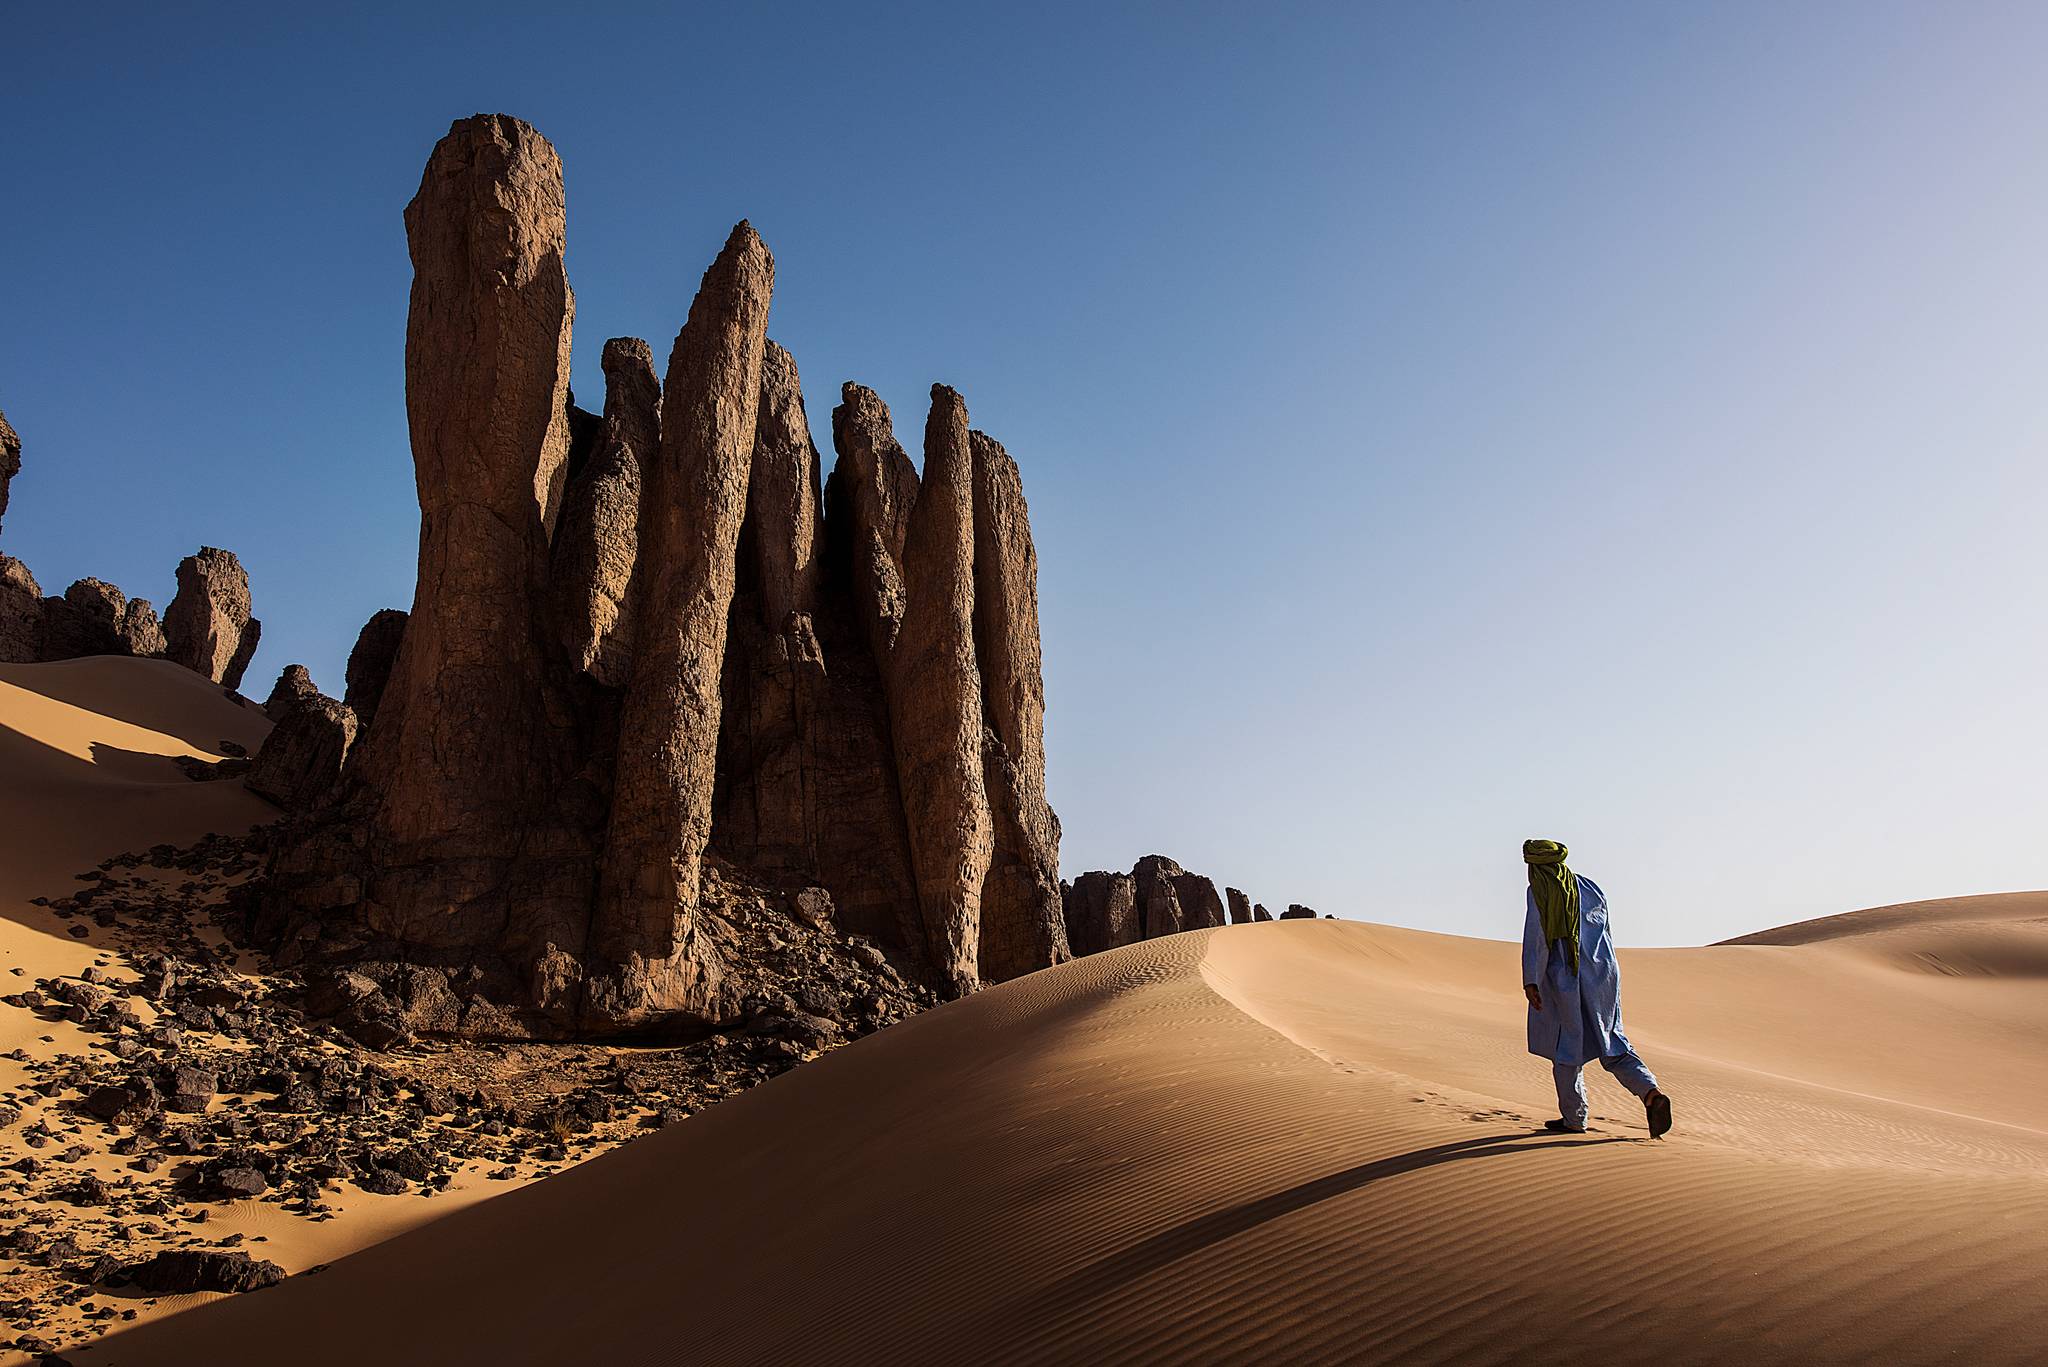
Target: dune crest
x=1292, y=1142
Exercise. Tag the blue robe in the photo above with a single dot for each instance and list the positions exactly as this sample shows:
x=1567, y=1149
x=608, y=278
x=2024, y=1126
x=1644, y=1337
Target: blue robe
x=1581, y=1016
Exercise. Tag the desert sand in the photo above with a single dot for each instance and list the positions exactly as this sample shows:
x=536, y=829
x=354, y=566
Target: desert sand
x=1307, y=1141
x=87, y=749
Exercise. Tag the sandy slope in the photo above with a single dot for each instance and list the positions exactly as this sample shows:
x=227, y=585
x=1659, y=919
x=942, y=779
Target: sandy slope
x=86, y=772
x=1294, y=1142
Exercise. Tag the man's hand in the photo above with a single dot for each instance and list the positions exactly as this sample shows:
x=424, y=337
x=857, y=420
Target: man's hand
x=1535, y=997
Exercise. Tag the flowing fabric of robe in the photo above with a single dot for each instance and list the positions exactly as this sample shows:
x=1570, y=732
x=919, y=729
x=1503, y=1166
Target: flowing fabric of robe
x=1581, y=1016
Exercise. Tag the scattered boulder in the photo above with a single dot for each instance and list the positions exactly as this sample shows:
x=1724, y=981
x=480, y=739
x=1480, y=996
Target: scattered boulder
x=177, y=1271
x=208, y=626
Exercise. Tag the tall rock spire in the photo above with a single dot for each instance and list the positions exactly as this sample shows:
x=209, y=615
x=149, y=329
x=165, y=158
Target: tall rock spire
x=1023, y=926
x=471, y=741
x=935, y=701
x=694, y=500
x=596, y=545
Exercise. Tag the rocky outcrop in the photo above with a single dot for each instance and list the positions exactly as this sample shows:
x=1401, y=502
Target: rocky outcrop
x=21, y=614
x=645, y=667
x=370, y=661
x=10, y=460
x=1101, y=912
x=1297, y=912
x=597, y=543
x=293, y=684
x=1201, y=908
x=299, y=764
x=694, y=500
x=207, y=627
x=1157, y=897
x=95, y=618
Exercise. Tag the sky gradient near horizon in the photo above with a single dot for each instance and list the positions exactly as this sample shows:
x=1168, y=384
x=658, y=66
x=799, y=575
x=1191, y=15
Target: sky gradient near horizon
x=1442, y=424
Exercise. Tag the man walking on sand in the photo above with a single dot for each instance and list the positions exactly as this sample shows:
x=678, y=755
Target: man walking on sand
x=1574, y=990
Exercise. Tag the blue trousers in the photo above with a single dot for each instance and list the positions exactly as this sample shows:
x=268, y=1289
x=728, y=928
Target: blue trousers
x=1628, y=1070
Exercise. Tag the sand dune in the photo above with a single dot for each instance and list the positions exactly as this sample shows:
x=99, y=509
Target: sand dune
x=1293, y=1142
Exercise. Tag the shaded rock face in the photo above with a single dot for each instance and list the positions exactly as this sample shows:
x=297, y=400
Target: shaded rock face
x=1297, y=912
x=867, y=504
x=1259, y=912
x=475, y=740
x=293, y=683
x=95, y=618
x=299, y=763
x=207, y=627
x=648, y=663
x=1101, y=912
x=934, y=688
x=21, y=614
x=10, y=460
x=695, y=500
x=1157, y=897
x=1022, y=924
x=597, y=543
x=370, y=661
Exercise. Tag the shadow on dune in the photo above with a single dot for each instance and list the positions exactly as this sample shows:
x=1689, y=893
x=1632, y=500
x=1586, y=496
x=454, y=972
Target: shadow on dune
x=1169, y=1246
x=155, y=695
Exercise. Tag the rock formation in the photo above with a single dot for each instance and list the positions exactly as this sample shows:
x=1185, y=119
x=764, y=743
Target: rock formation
x=10, y=460
x=209, y=616
x=21, y=613
x=299, y=764
x=1022, y=923
x=694, y=499
x=95, y=618
x=370, y=661
x=1297, y=912
x=1102, y=912
x=597, y=543
x=934, y=689
x=207, y=627
x=1157, y=897
x=649, y=667
x=294, y=683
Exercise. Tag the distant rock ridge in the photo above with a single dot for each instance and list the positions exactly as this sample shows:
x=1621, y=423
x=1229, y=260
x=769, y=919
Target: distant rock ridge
x=656, y=644
x=207, y=627
x=1106, y=910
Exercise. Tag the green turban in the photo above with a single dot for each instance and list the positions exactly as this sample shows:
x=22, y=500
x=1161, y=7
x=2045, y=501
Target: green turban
x=1557, y=894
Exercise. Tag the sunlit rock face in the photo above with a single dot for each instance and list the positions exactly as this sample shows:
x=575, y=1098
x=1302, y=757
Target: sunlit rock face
x=654, y=657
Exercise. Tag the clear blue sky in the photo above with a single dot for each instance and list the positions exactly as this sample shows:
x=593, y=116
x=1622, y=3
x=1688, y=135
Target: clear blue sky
x=1442, y=423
